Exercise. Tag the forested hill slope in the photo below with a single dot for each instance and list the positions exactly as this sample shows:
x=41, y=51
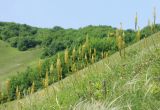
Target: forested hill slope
x=56, y=39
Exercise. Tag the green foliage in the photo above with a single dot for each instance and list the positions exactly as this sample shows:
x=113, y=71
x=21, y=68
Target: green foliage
x=148, y=30
x=105, y=45
x=54, y=41
x=13, y=41
x=131, y=83
x=24, y=81
x=25, y=43
x=9, y=30
x=57, y=39
x=129, y=36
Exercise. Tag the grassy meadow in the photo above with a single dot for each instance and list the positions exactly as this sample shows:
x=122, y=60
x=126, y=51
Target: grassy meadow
x=114, y=83
x=13, y=61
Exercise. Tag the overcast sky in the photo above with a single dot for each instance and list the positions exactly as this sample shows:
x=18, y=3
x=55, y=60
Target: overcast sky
x=78, y=13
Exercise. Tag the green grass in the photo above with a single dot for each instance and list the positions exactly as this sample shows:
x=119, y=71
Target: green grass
x=13, y=61
x=132, y=83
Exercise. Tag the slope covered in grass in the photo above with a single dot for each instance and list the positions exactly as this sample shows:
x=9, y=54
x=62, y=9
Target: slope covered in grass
x=86, y=46
x=12, y=60
x=131, y=83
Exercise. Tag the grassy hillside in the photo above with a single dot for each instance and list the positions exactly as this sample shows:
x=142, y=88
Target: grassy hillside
x=113, y=83
x=12, y=60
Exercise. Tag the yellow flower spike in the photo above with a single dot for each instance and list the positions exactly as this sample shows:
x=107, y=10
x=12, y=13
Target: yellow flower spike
x=154, y=15
x=66, y=56
x=59, y=68
x=17, y=93
x=8, y=87
x=46, y=80
x=93, y=59
x=138, y=35
x=51, y=69
x=83, y=50
x=39, y=67
x=33, y=87
x=73, y=54
x=95, y=52
x=136, y=21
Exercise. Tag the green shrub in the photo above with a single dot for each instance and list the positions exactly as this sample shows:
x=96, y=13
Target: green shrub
x=25, y=43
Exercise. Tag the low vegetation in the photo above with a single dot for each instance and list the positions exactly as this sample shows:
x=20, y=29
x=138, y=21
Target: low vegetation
x=113, y=83
x=75, y=58
x=13, y=61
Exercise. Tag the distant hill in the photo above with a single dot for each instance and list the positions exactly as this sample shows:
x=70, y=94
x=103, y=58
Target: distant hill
x=57, y=39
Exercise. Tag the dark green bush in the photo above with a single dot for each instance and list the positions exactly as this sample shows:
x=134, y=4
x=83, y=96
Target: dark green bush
x=26, y=42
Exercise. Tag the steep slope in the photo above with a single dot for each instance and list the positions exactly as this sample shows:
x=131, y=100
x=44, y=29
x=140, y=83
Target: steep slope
x=12, y=60
x=132, y=83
